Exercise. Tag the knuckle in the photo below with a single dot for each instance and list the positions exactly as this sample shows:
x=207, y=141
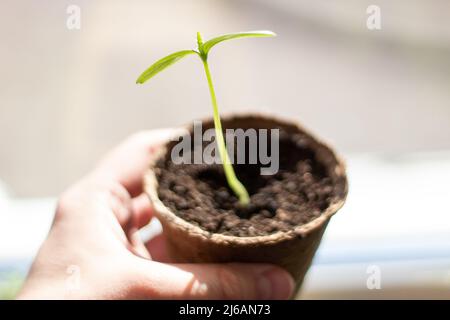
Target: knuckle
x=64, y=204
x=142, y=285
x=118, y=191
x=199, y=289
x=231, y=286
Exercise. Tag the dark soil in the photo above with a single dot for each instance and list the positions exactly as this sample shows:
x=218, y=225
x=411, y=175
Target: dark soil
x=297, y=194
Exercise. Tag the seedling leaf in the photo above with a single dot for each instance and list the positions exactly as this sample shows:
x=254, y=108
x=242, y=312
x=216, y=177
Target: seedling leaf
x=203, y=49
x=162, y=64
x=249, y=34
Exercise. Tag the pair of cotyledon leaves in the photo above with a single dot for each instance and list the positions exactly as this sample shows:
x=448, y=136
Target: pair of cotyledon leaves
x=203, y=50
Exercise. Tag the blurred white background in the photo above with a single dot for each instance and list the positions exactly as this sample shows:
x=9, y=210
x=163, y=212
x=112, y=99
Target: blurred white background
x=381, y=97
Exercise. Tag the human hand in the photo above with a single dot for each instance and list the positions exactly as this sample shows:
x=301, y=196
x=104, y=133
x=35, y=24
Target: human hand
x=95, y=234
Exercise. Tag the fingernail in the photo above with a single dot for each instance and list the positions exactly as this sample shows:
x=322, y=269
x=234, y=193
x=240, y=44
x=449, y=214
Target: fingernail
x=275, y=284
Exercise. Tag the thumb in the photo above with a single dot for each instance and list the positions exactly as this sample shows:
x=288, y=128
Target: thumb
x=214, y=281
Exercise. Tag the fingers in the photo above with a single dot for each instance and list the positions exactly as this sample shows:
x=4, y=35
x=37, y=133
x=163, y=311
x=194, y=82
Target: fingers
x=214, y=281
x=92, y=197
x=136, y=245
x=156, y=246
x=142, y=211
x=128, y=162
x=120, y=174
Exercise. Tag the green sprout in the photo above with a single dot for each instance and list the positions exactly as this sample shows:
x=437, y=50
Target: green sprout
x=203, y=50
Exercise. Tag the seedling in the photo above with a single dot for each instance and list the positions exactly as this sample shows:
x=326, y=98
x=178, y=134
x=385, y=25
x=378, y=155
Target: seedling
x=202, y=51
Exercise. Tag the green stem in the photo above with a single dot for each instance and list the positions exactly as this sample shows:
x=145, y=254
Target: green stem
x=235, y=185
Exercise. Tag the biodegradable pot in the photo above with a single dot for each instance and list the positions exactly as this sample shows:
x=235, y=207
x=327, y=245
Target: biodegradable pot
x=292, y=250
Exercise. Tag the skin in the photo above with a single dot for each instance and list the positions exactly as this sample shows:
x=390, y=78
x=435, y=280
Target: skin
x=93, y=250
